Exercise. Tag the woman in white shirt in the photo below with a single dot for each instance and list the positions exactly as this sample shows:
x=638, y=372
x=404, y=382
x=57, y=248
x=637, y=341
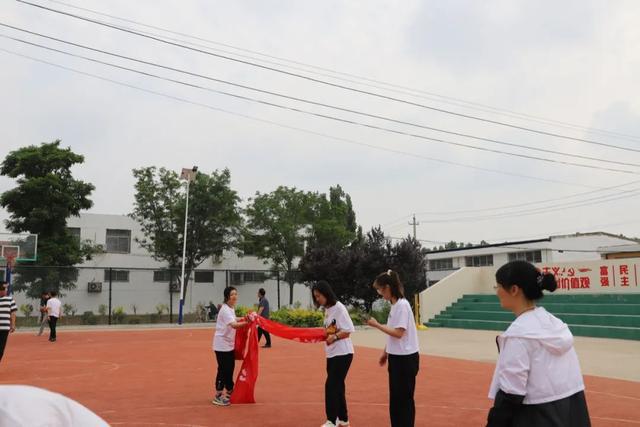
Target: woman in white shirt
x=224, y=343
x=339, y=351
x=537, y=380
x=401, y=351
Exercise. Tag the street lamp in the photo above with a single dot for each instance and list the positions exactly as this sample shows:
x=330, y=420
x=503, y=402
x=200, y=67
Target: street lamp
x=187, y=175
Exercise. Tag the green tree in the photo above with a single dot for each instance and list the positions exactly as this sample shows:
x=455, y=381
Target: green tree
x=281, y=221
x=214, y=218
x=407, y=259
x=334, y=221
x=46, y=195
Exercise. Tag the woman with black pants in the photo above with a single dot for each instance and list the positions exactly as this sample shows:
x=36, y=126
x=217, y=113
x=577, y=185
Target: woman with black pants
x=401, y=351
x=339, y=351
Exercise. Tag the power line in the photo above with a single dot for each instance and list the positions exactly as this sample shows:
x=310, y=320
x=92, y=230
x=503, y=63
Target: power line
x=352, y=89
x=391, y=86
x=326, y=116
x=308, y=101
x=594, y=201
x=297, y=129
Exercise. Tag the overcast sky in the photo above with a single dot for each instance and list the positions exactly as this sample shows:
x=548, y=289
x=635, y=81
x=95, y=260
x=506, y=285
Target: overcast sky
x=571, y=62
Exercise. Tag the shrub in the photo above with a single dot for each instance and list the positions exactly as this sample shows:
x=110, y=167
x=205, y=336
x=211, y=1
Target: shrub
x=69, y=309
x=88, y=318
x=103, y=309
x=382, y=314
x=26, y=309
x=358, y=316
x=298, y=317
x=242, y=310
x=161, y=308
x=118, y=315
x=134, y=321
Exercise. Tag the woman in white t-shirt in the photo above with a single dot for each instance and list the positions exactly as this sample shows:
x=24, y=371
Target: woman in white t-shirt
x=537, y=380
x=224, y=343
x=401, y=351
x=339, y=351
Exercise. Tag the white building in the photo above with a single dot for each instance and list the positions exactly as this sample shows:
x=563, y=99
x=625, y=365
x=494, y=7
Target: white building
x=137, y=280
x=565, y=248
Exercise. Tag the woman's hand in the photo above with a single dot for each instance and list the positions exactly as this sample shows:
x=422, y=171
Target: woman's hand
x=383, y=359
x=331, y=339
x=372, y=322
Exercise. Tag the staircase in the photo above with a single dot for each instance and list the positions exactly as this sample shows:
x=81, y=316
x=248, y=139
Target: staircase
x=589, y=315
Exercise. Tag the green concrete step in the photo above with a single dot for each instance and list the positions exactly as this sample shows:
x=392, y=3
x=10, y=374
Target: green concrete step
x=617, y=309
x=577, y=330
x=576, y=319
x=566, y=298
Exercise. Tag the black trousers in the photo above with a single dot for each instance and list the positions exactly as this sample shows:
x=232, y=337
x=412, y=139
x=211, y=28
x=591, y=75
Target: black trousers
x=52, y=326
x=4, y=335
x=266, y=336
x=335, y=402
x=403, y=370
x=226, y=364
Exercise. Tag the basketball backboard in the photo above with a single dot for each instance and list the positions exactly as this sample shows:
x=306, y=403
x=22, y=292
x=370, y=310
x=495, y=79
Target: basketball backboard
x=19, y=247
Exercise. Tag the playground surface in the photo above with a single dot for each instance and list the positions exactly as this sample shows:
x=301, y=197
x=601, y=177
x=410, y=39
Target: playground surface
x=164, y=377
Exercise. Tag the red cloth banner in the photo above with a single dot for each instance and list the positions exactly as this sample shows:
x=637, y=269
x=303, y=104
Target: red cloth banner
x=246, y=349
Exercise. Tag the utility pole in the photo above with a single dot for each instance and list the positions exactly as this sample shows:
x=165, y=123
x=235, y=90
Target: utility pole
x=419, y=324
x=414, y=223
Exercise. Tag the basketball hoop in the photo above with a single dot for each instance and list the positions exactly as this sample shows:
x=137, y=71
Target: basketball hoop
x=11, y=261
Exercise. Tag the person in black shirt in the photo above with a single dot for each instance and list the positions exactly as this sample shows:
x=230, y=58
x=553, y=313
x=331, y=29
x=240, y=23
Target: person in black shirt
x=263, y=310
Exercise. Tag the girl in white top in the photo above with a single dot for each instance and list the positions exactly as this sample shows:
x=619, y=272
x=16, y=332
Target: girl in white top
x=401, y=350
x=224, y=343
x=537, y=380
x=339, y=350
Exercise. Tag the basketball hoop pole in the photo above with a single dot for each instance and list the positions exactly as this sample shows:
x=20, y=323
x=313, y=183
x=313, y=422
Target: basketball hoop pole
x=9, y=273
x=189, y=175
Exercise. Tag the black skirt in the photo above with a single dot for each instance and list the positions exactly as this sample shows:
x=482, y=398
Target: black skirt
x=568, y=412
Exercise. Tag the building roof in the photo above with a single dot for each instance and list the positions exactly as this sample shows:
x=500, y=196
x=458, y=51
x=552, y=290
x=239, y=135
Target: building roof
x=492, y=245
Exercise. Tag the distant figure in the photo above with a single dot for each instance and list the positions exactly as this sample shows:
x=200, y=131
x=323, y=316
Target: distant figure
x=26, y=406
x=54, y=313
x=44, y=297
x=8, y=311
x=213, y=311
x=263, y=310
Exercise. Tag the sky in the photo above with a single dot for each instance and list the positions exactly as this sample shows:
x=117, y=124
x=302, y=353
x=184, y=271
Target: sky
x=557, y=77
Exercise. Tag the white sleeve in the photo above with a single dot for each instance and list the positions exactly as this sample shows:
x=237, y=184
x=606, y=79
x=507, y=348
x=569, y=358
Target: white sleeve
x=226, y=317
x=344, y=321
x=513, y=367
x=401, y=317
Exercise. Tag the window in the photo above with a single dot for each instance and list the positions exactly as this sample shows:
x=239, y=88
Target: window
x=162, y=276
x=235, y=278
x=203, y=276
x=254, y=276
x=479, y=261
x=117, y=275
x=441, y=264
x=75, y=232
x=2, y=275
x=119, y=241
x=530, y=256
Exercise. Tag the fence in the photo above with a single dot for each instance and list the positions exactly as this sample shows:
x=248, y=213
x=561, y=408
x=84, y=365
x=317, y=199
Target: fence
x=143, y=295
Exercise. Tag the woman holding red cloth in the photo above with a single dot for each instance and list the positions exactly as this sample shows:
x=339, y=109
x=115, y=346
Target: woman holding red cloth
x=339, y=351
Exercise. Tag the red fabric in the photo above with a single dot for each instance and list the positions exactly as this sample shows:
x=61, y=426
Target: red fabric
x=243, y=391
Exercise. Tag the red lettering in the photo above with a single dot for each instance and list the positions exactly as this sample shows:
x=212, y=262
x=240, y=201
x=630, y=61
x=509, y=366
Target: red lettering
x=572, y=272
x=604, y=270
x=585, y=282
x=624, y=269
x=604, y=281
x=624, y=280
x=575, y=283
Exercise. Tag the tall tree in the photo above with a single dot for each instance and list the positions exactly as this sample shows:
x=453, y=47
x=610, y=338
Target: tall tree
x=407, y=259
x=213, y=224
x=280, y=220
x=46, y=195
x=334, y=221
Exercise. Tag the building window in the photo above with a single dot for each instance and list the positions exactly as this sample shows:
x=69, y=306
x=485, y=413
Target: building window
x=163, y=276
x=530, y=256
x=203, y=276
x=255, y=276
x=441, y=264
x=119, y=241
x=479, y=261
x=75, y=232
x=117, y=275
x=235, y=278
x=2, y=274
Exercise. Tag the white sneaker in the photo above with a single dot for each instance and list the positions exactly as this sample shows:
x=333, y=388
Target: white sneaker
x=342, y=423
x=328, y=424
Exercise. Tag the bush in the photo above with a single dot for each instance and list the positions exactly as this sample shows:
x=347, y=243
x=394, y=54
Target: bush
x=103, y=309
x=154, y=318
x=88, y=318
x=382, y=314
x=298, y=317
x=118, y=315
x=161, y=308
x=69, y=309
x=358, y=316
x=26, y=309
x=242, y=310
x=134, y=321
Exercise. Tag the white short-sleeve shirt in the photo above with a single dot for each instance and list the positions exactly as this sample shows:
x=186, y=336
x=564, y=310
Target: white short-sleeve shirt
x=225, y=337
x=26, y=406
x=401, y=316
x=53, y=307
x=343, y=323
